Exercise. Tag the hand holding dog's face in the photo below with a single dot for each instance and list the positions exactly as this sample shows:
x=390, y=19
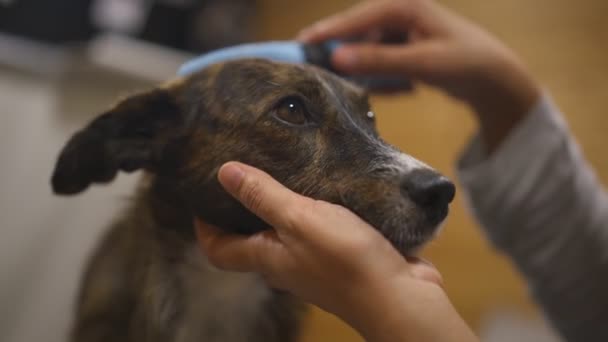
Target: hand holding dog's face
x=318, y=251
x=308, y=129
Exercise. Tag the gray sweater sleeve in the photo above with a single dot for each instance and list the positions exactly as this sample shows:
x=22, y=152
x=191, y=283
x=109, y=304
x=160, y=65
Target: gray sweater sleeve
x=539, y=202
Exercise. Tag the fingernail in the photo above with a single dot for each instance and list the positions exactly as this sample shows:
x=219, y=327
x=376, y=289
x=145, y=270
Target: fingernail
x=230, y=176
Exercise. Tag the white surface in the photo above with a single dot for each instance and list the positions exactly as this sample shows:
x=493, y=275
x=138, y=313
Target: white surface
x=106, y=52
x=135, y=57
x=45, y=239
x=48, y=94
x=39, y=57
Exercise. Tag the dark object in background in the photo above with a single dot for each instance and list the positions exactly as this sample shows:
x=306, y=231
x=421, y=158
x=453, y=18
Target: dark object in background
x=195, y=25
x=202, y=26
x=56, y=21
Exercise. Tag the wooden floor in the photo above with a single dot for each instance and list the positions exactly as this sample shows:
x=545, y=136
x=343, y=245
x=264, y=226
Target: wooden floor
x=566, y=45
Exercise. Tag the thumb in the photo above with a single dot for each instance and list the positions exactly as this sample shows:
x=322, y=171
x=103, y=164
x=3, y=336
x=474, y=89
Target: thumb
x=410, y=61
x=261, y=194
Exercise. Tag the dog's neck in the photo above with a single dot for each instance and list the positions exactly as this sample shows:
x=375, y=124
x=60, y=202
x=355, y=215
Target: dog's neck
x=166, y=208
x=189, y=287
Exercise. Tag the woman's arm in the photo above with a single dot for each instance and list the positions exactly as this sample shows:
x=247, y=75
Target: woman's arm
x=539, y=202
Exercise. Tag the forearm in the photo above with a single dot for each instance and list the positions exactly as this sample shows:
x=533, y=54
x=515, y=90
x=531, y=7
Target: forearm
x=540, y=203
x=407, y=310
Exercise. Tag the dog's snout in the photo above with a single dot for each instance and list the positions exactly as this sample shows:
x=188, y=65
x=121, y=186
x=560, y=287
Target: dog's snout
x=429, y=189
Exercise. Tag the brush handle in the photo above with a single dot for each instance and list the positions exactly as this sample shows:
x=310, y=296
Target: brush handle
x=320, y=55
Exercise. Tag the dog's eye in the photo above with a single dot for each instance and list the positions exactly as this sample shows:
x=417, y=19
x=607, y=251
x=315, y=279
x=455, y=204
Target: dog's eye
x=292, y=110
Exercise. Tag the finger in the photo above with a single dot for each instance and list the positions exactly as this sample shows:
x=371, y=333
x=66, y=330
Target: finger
x=237, y=252
x=359, y=19
x=261, y=194
x=412, y=61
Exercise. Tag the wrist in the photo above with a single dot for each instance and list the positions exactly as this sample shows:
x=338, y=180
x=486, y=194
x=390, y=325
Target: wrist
x=508, y=94
x=405, y=309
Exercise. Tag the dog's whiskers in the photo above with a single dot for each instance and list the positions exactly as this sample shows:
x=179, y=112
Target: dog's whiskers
x=272, y=83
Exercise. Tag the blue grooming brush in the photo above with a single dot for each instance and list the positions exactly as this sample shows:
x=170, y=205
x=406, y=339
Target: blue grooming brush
x=291, y=52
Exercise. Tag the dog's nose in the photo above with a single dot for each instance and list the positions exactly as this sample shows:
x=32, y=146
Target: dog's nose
x=428, y=189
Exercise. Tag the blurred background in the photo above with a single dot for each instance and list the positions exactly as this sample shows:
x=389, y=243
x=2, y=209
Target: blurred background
x=64, y=61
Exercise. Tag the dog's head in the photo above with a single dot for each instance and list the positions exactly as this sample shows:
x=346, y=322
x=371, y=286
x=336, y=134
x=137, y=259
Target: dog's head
x=309, y=129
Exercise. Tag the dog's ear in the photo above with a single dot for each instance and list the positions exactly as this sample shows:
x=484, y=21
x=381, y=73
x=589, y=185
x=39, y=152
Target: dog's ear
x=130, y=136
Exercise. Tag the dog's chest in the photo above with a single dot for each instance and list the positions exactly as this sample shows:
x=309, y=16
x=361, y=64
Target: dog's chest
x=218, y=305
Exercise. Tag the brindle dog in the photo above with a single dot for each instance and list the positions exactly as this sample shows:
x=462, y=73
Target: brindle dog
x=312, y=131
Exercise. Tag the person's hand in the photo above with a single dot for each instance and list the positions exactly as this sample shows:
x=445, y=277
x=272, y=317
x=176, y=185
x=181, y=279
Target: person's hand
x=328, y=256
x=444, y=50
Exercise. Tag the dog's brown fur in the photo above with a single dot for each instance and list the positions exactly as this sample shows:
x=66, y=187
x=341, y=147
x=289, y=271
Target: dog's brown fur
x=309, y=129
